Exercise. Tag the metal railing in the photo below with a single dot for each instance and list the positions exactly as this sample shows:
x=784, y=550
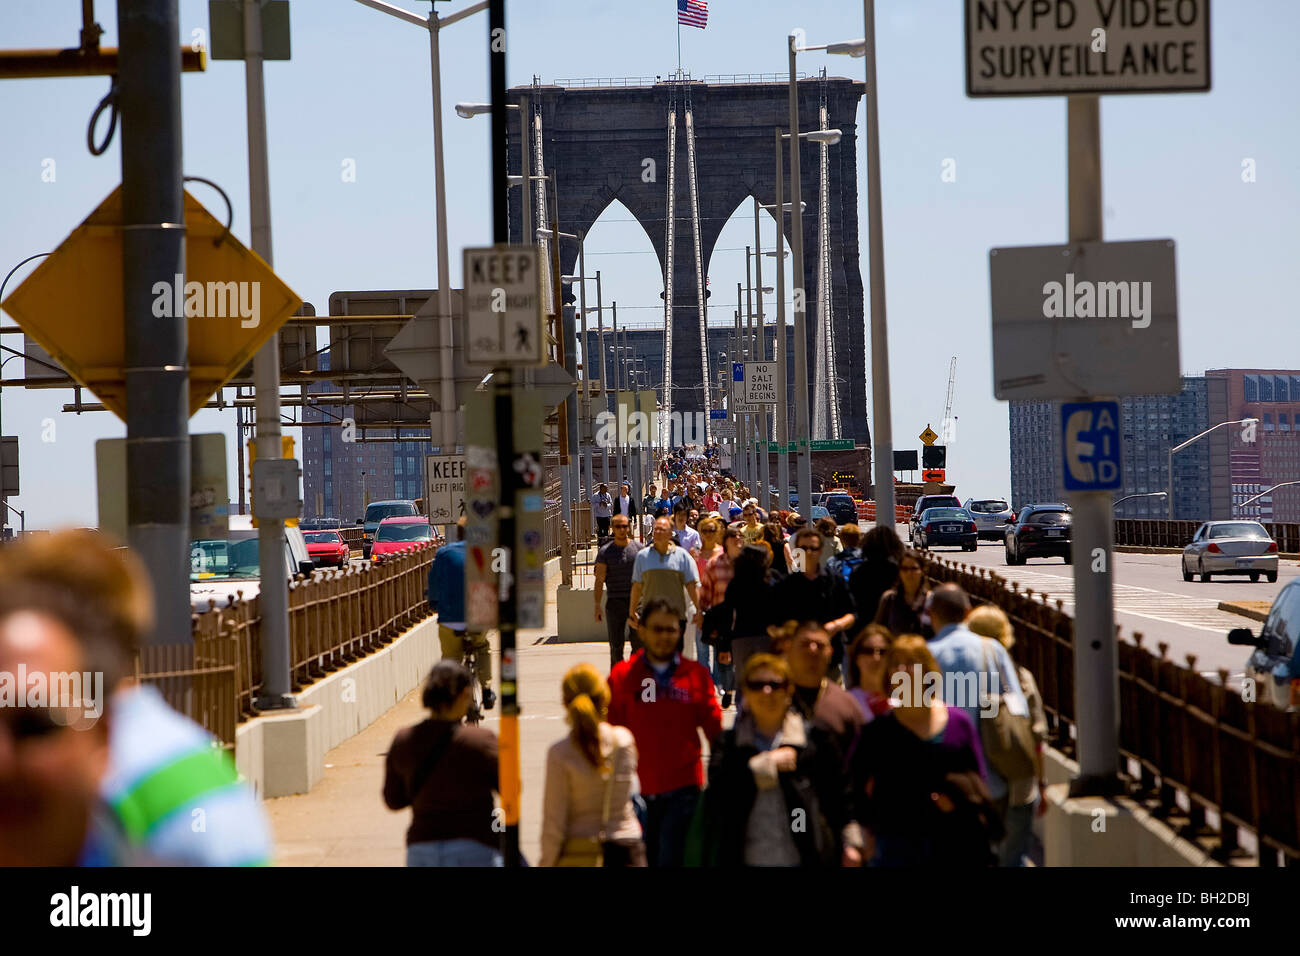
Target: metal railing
x=335, y=617
x=624, y=82
x=1180, y=732
x=1162, y=533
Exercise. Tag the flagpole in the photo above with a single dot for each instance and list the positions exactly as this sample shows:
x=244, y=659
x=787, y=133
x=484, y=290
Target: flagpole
x=679, y=45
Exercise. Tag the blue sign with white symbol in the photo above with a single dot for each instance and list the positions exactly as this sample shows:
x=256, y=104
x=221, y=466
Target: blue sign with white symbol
x=737, y=371
x=718, y=414
x=1090, y=442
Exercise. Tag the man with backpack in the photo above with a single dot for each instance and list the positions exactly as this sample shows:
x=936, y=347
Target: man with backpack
x=851, y=555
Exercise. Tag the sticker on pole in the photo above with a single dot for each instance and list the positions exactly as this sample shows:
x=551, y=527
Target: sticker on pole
x=504, y=320
x=1090, y=441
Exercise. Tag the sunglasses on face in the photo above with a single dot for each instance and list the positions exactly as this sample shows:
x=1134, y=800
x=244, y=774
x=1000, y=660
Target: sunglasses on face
x=872, y=652
x=33, y=723
x=766, y=686
x=909, y=568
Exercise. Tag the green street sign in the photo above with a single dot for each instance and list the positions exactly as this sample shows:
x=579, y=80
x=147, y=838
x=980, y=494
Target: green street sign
x=833, y=444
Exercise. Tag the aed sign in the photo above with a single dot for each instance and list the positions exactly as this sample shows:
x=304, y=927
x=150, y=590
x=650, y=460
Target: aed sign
x=1060, y=47
x=1090, y=442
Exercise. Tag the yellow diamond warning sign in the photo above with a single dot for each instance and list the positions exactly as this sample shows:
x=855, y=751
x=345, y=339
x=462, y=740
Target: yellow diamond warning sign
x=928, y=437
x=230, y=299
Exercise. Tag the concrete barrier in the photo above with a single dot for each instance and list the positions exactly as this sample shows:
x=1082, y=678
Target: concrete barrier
x=283, y=752
x=1106, y=831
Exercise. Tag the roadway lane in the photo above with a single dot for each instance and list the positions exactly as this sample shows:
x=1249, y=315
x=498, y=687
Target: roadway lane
x=1150, y=598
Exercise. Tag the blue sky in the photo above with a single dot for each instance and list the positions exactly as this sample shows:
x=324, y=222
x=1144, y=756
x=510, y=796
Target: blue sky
x=358, y=89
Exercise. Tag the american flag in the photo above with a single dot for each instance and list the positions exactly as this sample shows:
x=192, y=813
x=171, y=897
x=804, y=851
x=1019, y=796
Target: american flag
x=693, y=13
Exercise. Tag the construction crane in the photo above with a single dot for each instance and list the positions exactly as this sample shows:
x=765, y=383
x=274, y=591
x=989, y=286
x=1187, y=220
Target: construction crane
x=947, y=408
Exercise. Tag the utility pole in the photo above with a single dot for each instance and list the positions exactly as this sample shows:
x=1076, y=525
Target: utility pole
x=764, y=469
x=273, y=598
x=800, y=298
x=1096, y=654
x=156, y=351
x=508, y=767
x=882, y=445
x=782, y=378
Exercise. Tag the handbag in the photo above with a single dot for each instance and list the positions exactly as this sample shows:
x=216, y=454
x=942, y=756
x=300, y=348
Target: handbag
x=1007, y=736
x=589, y=851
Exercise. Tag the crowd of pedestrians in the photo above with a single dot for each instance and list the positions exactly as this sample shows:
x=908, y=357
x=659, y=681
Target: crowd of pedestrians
x=875, y=719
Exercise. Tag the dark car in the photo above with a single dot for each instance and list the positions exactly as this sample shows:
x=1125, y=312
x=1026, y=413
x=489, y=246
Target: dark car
x=929, y=501
x=950, y=526
x=1275, y=662
x=1041, y=531
x=841, y=507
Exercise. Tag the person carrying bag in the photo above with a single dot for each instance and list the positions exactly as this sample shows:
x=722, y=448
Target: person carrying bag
x=1006, y=732
x=588, y=814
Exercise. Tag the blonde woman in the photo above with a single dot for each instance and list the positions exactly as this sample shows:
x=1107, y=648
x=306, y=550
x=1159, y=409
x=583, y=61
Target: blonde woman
x=587, y=813
x=989, y=620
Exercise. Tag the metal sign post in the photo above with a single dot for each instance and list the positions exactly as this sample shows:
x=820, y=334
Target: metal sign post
x=509, y=784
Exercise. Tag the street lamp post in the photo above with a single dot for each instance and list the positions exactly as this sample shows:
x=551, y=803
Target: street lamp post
x=882, y=443
x=446, y=438
x=568, y=411
x=1266, y=491
x=1240, y=421
x=1146, y=494
x=800, y=304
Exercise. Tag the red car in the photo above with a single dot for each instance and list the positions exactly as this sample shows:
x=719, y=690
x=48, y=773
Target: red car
x=327, y=548
x=394, y=534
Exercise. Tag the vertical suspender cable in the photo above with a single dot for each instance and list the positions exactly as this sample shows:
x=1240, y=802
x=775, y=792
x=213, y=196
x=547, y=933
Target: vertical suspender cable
x=699, y=266
x=669, y=243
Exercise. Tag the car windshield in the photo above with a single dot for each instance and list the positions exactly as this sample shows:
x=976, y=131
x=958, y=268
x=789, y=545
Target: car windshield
x=988, y=507
x=322, y=537
x=931, y=513
x=225, y=558
x=377, y=513
x=837, y=500
x=1244, y=529
x=405, y=531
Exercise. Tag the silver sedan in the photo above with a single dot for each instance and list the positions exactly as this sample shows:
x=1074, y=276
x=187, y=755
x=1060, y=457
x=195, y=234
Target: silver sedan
x=1231, y=547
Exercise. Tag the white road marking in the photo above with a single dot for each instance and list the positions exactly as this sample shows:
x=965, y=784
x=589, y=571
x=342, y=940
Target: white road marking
x=1201, y=614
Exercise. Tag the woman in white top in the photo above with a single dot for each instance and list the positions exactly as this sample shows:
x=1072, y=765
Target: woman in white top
x=587, y=813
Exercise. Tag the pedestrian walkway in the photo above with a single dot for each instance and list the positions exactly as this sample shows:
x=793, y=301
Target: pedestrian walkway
x=343, y=820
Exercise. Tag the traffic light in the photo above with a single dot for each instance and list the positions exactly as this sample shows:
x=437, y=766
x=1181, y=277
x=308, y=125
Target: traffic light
x=934, y=456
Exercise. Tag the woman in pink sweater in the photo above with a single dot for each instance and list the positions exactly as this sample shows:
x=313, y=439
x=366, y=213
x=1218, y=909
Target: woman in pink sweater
x=587, y=814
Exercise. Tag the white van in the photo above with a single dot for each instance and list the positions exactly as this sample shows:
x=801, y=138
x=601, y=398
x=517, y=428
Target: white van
x=221, y=568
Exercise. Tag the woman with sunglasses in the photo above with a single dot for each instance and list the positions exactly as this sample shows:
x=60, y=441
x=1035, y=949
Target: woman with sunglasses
x=866, y=659
x=902, y=607
x=771, y=768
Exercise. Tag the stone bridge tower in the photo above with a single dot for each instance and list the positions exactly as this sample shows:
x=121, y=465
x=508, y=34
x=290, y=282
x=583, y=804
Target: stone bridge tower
x=596, y=141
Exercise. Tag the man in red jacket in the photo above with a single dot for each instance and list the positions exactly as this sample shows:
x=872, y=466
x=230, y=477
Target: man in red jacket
x=663, y=698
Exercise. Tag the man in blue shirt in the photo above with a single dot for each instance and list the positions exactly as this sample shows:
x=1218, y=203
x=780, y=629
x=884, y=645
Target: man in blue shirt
x=447, y=597
x=965, y=655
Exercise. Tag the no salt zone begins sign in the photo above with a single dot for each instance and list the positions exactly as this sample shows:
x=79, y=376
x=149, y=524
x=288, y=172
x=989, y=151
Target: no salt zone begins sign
x=1059, y=47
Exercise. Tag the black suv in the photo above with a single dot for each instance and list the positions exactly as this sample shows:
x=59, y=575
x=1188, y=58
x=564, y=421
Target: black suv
x=841, y=507
x=1041, y=531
